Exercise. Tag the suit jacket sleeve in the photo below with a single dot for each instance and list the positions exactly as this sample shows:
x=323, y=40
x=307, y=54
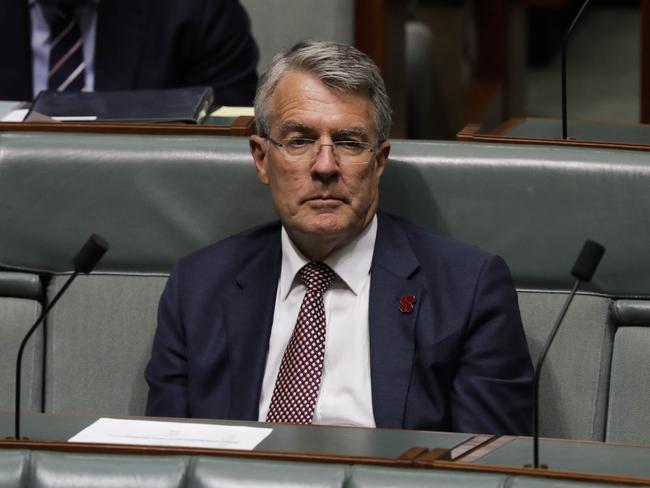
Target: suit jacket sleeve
x=166, y=372
x=225, y=55
x=492, y=391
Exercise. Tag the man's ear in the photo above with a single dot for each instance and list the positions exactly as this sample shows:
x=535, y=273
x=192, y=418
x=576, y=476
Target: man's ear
x=258, y=146
x=382, y=156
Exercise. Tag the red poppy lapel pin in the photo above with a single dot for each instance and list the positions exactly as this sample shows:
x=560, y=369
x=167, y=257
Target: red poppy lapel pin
x=406, y=303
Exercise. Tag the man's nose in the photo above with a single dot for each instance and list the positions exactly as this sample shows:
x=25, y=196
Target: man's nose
x=325, y=162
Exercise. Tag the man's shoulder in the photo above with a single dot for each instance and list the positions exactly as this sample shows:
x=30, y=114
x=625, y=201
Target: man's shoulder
x=447, y=267
x=235, y=249
x=428, y=244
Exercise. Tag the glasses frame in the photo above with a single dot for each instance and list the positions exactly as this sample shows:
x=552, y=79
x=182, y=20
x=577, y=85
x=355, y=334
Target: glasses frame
x=281, y=145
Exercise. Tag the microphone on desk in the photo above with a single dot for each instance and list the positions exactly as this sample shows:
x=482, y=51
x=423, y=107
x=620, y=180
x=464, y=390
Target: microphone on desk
x=84, y=262
x=565, y=45
x=583, y=270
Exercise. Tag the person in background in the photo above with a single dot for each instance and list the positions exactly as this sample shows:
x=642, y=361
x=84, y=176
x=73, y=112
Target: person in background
x=127, y=45
x=338, y=313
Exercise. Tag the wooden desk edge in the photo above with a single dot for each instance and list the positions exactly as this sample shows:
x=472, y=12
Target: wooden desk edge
x=412, y=458
x=241, y=126
x=403, y=460
x=469, y=134
x=543, y=473
x=467, y=463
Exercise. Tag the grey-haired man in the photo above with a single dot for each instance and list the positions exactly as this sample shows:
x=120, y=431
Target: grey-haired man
x=338, y=314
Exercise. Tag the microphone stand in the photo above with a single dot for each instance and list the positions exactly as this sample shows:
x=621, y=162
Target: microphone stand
x=21, y=350
x=84, y=262
x=538, y=369
x=564, y=49
x=583, y=270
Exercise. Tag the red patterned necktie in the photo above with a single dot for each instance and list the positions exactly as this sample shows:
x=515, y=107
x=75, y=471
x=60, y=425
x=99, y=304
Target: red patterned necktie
x=298, y=382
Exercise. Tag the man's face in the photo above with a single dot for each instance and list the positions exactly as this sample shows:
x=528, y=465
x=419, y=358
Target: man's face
x=323, y=204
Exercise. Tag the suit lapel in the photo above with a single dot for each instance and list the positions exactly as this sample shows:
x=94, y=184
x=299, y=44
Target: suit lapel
x=248, y=314
x=118, y=46
x=392, y=332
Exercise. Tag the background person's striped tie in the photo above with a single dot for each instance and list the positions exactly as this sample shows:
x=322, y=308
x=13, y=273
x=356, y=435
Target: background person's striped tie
x=67, y=68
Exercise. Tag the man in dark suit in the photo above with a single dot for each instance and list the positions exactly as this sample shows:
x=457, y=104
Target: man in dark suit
x=408, y=329
x=145, y=44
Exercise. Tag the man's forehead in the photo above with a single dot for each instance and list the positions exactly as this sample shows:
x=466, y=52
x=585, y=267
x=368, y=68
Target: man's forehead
x=291, y=125
x=300, y=101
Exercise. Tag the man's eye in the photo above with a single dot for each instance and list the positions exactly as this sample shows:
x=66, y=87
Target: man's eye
x=350, y=145
x=298, y=142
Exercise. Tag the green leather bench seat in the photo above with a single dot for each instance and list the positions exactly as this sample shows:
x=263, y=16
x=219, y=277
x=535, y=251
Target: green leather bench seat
x=574, y=382
x=14, y=466
x=59, y=470
x=529, y=482
x=20, y=285
x=20, y=305
x=155, y=198
x=99, y=342
x=628, y=417
x=238, y=473
x=41, y=469
x=371, y=477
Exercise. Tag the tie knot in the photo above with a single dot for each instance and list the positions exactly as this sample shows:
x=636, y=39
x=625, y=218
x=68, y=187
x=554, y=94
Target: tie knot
x=58, y=15
x=317, y=277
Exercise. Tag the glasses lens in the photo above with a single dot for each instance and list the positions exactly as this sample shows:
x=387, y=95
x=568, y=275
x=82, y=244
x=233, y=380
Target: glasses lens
x=345, y=152
x=299, y=147
x=352, y=152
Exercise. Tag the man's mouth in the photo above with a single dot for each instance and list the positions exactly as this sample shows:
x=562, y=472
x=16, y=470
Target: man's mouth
x=324, y=199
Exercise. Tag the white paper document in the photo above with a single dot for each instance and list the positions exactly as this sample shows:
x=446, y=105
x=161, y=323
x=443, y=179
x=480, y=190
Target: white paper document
x=225, y=111
x=17, y=115
x=74, y=118
x=180, y=434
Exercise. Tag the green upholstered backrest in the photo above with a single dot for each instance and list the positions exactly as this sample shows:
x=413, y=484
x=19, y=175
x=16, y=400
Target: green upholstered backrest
x=155, y=198
x=533, y=205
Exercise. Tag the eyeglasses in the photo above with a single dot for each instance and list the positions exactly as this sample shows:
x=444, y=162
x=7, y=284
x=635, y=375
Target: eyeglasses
x=306, y=150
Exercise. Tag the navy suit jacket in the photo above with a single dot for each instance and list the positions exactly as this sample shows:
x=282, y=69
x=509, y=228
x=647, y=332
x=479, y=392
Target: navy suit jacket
x=148, y=44
x=458, y=362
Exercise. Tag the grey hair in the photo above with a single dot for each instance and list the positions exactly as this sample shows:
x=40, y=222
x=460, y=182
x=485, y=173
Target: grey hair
x=340, y=67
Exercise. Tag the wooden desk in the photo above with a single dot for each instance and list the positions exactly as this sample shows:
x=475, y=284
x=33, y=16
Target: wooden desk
x=576, y=460
x=602, y=135
x=385, y=447
x=239, y=126
x=570, y=460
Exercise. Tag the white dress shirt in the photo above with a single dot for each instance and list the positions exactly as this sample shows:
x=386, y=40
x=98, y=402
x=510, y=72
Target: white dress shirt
x=41, y=44
x=345, y=396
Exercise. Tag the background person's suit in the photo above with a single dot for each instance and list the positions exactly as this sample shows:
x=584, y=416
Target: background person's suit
x=148, y=44
x=459, y=361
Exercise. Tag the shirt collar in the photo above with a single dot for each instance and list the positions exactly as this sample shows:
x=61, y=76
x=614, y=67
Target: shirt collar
x=351, y=263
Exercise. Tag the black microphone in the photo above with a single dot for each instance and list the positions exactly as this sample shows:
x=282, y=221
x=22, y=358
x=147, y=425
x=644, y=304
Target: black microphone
x=565, y=45
x=84, y=262
x=583, y=270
